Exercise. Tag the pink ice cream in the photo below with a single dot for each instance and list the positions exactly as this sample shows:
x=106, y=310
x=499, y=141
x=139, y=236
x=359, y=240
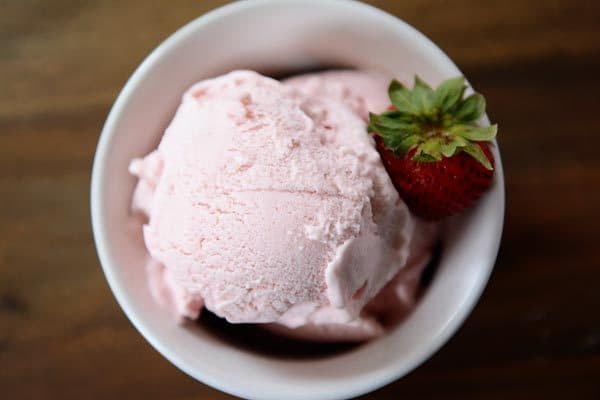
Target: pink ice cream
x=361, y=91
x=268, y=203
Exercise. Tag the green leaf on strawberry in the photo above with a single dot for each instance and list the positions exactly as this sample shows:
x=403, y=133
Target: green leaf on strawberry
x=449, y=93
x=438, y=123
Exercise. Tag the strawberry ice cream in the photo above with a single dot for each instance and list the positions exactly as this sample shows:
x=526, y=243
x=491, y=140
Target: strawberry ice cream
x=266, y=202
x=361, y=91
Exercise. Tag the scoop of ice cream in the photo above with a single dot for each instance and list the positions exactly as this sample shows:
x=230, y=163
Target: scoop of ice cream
x=267, y=204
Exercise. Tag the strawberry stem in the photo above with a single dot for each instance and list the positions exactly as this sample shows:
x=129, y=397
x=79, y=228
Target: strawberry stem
x=437, y=123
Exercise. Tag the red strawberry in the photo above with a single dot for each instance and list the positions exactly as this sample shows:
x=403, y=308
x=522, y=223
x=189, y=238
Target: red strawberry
x=436, y=155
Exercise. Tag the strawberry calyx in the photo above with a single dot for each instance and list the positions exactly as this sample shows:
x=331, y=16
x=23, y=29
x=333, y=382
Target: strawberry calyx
x=433, y=124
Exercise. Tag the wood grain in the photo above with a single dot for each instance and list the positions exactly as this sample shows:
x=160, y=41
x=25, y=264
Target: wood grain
x=534, y=334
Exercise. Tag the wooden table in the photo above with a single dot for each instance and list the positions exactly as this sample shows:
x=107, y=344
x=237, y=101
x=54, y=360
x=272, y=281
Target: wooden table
x=535, y=333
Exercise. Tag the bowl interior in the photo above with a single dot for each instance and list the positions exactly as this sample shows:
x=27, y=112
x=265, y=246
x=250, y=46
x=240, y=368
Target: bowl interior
x=274, y=37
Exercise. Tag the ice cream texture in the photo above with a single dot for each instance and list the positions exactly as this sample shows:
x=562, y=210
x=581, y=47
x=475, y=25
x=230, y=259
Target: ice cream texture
x=266, y=202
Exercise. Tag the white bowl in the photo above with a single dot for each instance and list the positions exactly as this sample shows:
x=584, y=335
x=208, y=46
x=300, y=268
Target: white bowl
x=271, y=35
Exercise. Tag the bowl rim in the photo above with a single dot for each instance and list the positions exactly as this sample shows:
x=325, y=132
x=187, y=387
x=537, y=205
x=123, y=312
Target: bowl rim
x=97, y=202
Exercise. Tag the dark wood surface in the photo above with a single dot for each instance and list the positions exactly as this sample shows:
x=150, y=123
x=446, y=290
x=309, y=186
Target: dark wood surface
x=535, y=333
